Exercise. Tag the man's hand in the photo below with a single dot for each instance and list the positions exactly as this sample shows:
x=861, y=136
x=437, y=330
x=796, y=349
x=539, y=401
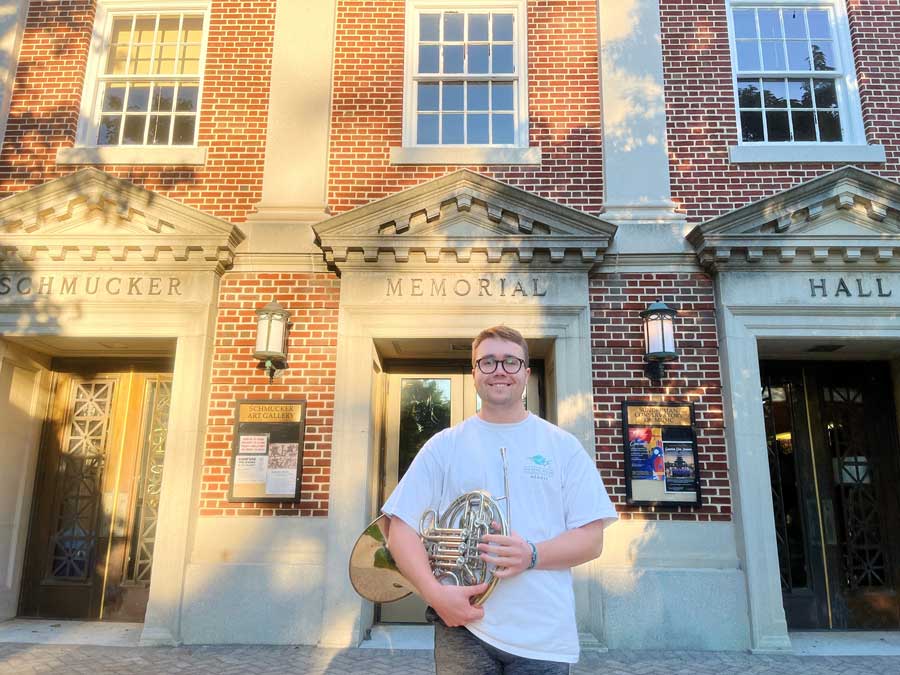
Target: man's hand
x=454, y=603
x=511, y=554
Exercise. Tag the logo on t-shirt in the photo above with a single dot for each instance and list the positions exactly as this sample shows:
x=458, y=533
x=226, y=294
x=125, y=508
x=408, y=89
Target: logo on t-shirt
x=539, y=467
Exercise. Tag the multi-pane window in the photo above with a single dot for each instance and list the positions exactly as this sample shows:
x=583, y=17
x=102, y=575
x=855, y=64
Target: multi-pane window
x=789, y=74
x=149, y=83
x=466, y=78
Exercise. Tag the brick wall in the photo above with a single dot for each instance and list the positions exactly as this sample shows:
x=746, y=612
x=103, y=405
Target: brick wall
x=312, y=300
x=47, y=98
x=701, y=117
x=563, y=100
x=617, y=347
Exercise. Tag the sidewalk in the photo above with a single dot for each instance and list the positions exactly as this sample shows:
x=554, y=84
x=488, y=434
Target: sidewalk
x=238, y=660
x=42, y=646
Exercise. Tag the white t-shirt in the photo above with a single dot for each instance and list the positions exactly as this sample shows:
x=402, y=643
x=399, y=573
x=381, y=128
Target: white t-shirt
x=553, y=487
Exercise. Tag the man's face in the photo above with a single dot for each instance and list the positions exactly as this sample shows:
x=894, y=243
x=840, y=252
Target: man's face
x=500, y=390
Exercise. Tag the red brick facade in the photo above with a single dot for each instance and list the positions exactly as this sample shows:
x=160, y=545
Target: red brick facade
x=617, y=347
x=700, y=109
x=46, y=104
x=312, y=300
x=563, y=102
x=366, y=123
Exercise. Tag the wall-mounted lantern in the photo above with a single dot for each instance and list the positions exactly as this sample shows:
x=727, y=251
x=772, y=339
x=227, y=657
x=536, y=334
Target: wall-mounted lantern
x=659, y=338
x=271, y=331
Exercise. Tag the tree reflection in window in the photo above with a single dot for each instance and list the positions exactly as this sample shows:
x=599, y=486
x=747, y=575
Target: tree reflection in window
x=424, y=410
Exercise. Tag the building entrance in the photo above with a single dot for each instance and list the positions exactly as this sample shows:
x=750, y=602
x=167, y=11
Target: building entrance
x=96, y=499
x=835, y=465
x=419, y=403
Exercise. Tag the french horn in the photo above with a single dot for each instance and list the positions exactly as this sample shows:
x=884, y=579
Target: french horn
x=450, y=539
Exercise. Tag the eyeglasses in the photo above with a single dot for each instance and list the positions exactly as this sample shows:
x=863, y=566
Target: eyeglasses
x=511, y=364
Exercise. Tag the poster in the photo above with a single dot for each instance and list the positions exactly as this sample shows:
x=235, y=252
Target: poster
x=249, y=470
x=645, y=446
x=267, y=451
x=661, y=465
x=281, y=476
x=681, y=474
x=252, y=443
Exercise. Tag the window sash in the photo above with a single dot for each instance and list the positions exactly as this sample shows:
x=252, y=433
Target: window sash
x=839, y=73
x=414, y=117
x=173, y=117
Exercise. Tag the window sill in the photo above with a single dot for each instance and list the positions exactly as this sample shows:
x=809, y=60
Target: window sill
x=465, y=156
x=783, y=154
x=175, y=155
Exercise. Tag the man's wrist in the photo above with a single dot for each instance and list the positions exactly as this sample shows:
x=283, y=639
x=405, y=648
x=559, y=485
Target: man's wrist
x=534, y=556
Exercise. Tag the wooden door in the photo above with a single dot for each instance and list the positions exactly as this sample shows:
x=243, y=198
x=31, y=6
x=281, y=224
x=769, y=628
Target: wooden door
x=93, y=522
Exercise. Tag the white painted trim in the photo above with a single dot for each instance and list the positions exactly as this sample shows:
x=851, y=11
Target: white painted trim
x=849, y=104
x=465, y=155
x=413, y=7
x=86, y=134
x=783, y=153
x=132, y=154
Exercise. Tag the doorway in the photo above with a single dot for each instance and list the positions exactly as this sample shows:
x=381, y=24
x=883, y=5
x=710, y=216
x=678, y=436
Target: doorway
x=834, y=464
x=421, y=400
x=94, y=515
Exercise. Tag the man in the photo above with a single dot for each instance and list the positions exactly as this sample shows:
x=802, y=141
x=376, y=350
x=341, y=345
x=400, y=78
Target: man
x=558, y=508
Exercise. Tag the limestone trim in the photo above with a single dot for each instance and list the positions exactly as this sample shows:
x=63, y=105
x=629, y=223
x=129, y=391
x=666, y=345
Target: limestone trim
x=464, y=217
x=89, y=224
x=846, y=217
x=90, y=216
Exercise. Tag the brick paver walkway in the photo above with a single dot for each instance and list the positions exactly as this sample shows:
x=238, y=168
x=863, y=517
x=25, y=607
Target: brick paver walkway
x=265, y=660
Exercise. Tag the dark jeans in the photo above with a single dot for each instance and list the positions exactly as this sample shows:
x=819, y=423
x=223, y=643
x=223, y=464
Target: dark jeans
x=459, y=652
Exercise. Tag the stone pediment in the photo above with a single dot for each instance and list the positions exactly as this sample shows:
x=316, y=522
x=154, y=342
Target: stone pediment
x=90, y=216
x=464, y=217
x=846, y=216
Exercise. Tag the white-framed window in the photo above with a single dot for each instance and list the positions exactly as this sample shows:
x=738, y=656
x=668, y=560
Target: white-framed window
x=466, y=77
x=794, y=77
x=143, y=85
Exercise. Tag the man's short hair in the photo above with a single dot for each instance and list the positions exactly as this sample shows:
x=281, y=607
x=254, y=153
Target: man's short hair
x=500, y=333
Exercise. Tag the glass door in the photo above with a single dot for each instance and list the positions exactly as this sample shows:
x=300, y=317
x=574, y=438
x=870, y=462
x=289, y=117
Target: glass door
x=834, y=461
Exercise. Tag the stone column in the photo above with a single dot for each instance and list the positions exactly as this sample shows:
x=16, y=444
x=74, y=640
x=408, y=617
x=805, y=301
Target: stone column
x=294, y=178
x=750, y=483
x=12, y=25
x=24, y=395
x=181, y=479
x=635, y=155
x=345, y=612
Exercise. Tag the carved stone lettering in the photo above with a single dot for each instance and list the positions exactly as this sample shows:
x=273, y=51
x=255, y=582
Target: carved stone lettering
x=817, y=286
x=857, y=287
x=462, y=287
x=93, y=285
x=482, y=287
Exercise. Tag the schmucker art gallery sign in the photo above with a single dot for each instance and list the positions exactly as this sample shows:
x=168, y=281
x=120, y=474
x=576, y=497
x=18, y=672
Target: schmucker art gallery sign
x=84, y=285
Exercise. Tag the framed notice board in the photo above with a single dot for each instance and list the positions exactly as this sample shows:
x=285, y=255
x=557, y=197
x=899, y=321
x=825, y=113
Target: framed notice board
x=267, y=451
x=661, y=463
